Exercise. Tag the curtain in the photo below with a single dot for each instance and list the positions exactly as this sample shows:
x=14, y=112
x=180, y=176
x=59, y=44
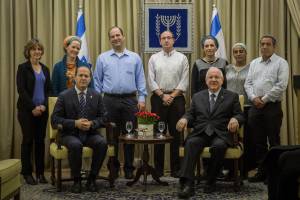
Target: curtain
x=52, y=20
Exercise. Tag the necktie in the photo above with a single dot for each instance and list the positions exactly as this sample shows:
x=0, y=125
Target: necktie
x=82, y=110
x=82, y=114
x=212, y=102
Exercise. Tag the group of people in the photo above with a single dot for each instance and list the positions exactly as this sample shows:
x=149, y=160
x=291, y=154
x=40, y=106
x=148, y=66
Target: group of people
x=119, y=76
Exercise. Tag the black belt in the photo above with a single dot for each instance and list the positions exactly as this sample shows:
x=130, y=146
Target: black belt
x=121, y=95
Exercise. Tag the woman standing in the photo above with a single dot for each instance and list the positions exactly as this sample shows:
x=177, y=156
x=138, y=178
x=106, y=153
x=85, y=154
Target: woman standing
x=237, y=72
x=64, y=71
x=209, y=45
x=33, y=84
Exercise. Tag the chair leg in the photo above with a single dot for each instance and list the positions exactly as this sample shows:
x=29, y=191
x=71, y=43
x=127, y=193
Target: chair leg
x=242, y=168
x=198, y=166
x=237, y=181
x=52, y=166
x=58, y=180
x=112, y=172
x=18, y=195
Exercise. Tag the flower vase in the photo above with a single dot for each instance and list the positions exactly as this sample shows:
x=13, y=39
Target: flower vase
x=146, y=129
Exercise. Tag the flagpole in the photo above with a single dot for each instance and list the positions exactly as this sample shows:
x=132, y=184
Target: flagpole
x=80, y=4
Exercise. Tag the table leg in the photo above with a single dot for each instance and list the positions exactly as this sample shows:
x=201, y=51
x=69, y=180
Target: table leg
x=146, y=169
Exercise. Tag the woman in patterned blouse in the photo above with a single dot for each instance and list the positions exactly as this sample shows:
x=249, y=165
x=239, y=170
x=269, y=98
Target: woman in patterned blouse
x=64, y=71
x=236, y=73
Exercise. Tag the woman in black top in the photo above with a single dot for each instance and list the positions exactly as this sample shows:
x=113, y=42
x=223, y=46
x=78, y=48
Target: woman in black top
x=209, y=45
x=33, y=84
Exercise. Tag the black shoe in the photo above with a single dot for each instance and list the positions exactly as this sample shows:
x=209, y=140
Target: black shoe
x=175, y=174
x=128, y=175
x=30, y=180
x=41, y=179
x=76, y=187
x=187, y=192
x=209, y=188
x=258, y=177
x=91, y=186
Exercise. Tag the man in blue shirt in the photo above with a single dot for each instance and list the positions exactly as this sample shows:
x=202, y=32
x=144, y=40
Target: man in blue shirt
x=119, y=74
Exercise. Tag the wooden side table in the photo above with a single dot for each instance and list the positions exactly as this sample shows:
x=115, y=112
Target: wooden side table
x=145, y=169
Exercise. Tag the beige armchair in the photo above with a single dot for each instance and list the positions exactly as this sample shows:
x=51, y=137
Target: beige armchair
x=234, y=153
x=10, y=179
x=59, y=152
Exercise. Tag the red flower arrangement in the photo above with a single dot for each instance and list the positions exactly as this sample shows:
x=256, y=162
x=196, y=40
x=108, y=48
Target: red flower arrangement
x=145, y=117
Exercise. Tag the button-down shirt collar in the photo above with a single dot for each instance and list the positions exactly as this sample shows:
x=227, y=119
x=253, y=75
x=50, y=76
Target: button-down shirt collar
x=272, y=58
x=119, y=54
x=169, y=53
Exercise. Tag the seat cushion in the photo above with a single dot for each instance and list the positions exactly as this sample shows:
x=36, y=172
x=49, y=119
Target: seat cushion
x=63, y=152
x=231, y=153
x=9, y=169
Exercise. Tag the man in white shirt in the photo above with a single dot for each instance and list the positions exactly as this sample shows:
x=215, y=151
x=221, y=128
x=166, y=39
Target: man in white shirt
x=265, y=84
x=168, y=79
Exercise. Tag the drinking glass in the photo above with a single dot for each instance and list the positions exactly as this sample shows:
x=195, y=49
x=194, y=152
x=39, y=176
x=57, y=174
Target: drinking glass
x=129, y=127
x=161, y=128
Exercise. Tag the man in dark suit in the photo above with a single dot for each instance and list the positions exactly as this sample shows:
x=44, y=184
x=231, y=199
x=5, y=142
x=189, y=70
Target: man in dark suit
x=80, y=111
x=214, y=114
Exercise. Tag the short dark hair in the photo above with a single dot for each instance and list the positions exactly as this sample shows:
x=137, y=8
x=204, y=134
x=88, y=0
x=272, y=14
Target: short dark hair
x=167, y=31
x=111, y=28
x=31, y=44
x=207, y=37
x=80, y=66
x=274, y=41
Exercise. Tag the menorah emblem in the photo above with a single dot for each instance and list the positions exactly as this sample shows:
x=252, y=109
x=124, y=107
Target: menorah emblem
x=168, y=21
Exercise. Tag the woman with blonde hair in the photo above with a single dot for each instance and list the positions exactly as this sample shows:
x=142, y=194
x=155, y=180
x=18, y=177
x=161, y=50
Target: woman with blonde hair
x=64, y=71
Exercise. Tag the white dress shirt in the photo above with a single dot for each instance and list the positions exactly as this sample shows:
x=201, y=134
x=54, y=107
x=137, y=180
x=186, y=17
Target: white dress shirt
x=168, y=71
x=267, y=79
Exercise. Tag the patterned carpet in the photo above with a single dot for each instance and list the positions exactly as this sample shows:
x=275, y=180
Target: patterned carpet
x=154, y=191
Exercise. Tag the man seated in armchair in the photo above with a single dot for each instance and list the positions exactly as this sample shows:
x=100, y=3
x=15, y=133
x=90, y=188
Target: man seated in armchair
x=80, y=111
x=213, y=115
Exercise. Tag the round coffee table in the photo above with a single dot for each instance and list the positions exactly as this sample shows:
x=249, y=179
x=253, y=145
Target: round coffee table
x=145, y=169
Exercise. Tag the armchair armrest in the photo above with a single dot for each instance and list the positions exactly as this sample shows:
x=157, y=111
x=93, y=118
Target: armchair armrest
x=59, y=129
x=110, y=130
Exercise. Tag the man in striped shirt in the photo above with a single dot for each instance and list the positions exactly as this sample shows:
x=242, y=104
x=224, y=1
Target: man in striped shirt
x=265, y=84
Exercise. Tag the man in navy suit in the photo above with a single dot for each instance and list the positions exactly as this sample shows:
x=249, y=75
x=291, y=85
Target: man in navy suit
x=214, y=114
x=80, y=111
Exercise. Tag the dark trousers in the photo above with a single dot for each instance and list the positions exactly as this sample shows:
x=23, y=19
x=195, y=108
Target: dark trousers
x=249, y=150
x=120, y=110
x=33, y=132
x=282, y=164
x=193, y=147
x=75, y=145
x=170, y=115
x=265, y=125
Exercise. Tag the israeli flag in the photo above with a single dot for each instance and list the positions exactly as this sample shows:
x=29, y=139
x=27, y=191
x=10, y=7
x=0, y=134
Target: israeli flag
x=216, y=31
x=80, y=32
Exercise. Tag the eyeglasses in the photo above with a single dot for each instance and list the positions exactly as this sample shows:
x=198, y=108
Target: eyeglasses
x=165, y=38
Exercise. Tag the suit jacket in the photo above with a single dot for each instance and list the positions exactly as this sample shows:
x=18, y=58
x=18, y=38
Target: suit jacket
x=25, y=86
x=66, y=111
x=227, y=106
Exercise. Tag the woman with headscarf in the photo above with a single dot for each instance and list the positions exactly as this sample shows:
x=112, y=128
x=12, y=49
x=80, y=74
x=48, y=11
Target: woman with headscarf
x=64, y=71
x=33, y=84
x=209, y=45
x=236, y=73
